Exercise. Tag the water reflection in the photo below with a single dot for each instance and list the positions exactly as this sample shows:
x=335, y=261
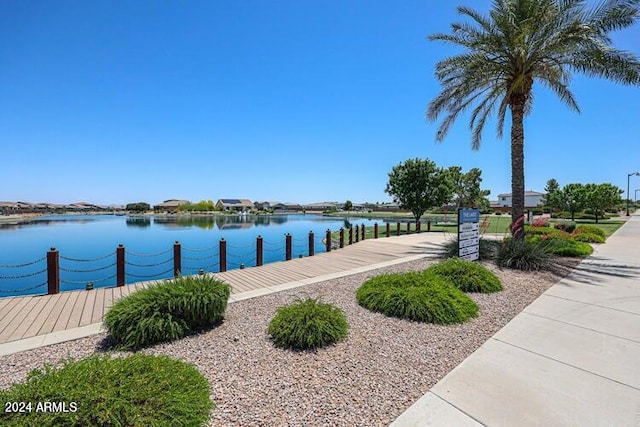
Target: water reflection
x=221, y=222
x=139, y=222
x=39, y=222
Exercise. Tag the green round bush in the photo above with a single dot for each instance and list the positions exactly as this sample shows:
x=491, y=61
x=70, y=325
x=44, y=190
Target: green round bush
x=167, y=311
x=138, y=390
x=591, y=229
x=588, y=237
x=422, y=297
x=467, y=276
x=570, y=248
x=308, y=324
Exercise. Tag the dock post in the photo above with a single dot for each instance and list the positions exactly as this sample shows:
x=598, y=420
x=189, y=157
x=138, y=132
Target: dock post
x=120, y=266
x=53, y=272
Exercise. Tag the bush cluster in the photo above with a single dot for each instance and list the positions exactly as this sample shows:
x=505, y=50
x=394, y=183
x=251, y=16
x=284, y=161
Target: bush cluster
x=567, y=226
x=524, y=255
x=167, y=311
x=417, y=296
x=139, y=390
x=488, y=248
x=308, y=324
x=589, y=234
x=467, y=276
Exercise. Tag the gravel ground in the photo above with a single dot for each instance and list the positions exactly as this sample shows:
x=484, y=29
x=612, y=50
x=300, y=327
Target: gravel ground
x=383, y=366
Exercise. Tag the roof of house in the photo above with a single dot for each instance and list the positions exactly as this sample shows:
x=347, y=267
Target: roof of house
x=173, y=203
x=235, y=202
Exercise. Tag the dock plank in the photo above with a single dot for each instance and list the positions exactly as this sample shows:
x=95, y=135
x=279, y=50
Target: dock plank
x=51, y=320
x=50, y=303
x=17, y=320
x=76, y=314
x=21, y=329
x=98, y=307
x=67, y=310
x=14, y=312
x=87, y=309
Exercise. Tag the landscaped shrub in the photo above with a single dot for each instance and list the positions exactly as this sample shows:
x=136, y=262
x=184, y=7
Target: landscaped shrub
x=139, y=390
x=567, y=226
x=590, y=229
x=488, y=248
x=422, y=297
x=308, y=324
x=540, y=222
x=467, y=276
x=570, y=248
x=167, y=311
x=549, y=232
x=588, y=237
x=524, y=255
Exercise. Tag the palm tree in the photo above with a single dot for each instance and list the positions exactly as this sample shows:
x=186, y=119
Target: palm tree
x=519, y=43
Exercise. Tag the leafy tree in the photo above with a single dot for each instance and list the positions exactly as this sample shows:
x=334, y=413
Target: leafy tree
x=466, y=187
x=418, y=185
x=571, y=198
x=348, y=205
x=599, y=197
x=551, y=193
x=138, y=207
x=201, y=206
x=520, y=42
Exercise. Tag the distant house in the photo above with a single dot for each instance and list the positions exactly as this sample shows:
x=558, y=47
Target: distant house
x=532, y=199
x=388, y=206
x=322, y=206
x=237, y=205
x=262, y=206
x=170, y=206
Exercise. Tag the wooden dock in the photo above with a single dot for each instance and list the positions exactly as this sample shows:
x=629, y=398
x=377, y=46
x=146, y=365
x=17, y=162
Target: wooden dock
x=32, y=316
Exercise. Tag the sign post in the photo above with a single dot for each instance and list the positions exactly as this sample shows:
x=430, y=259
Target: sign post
x=469, y=234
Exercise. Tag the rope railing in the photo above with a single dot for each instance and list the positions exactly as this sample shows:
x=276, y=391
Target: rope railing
x=168, y=260
x=23, y=276
x=149, y=276
x=26, y=264
x=201, y=258
x=86, y=260
x=210, y=248
x=216, y=258
x=13, y=291
x=142, y=255
x=70, y=270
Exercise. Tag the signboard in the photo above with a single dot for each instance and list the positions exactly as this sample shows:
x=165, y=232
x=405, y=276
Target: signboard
x=468, y=234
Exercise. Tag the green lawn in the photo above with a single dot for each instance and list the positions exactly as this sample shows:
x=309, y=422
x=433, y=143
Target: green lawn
x=495, y=224
x=608, y=226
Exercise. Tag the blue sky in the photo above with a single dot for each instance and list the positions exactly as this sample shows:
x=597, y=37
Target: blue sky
x=303, y=101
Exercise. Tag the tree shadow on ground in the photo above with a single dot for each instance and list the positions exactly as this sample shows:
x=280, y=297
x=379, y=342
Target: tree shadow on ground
x=592, y=270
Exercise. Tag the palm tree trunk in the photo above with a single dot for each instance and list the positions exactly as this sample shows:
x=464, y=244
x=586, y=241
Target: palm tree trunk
x=517, y=166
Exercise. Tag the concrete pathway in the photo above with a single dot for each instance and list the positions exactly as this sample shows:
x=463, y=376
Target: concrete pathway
x=571, y=358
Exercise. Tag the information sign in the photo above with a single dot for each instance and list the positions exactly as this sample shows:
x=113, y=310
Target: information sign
x=468, y=234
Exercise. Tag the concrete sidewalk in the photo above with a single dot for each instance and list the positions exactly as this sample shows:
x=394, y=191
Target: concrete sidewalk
x=571, y=358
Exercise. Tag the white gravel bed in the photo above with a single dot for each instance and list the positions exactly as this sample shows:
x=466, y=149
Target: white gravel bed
x=369, y=379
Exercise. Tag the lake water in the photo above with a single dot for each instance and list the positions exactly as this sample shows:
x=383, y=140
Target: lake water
x=87, y=245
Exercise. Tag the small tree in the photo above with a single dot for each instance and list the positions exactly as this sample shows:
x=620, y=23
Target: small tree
x=551, y=193
x=466, y=187
x=571, y=198
x=138, y=207
x=348, y=205
x=418, y=185
x=599, y=197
